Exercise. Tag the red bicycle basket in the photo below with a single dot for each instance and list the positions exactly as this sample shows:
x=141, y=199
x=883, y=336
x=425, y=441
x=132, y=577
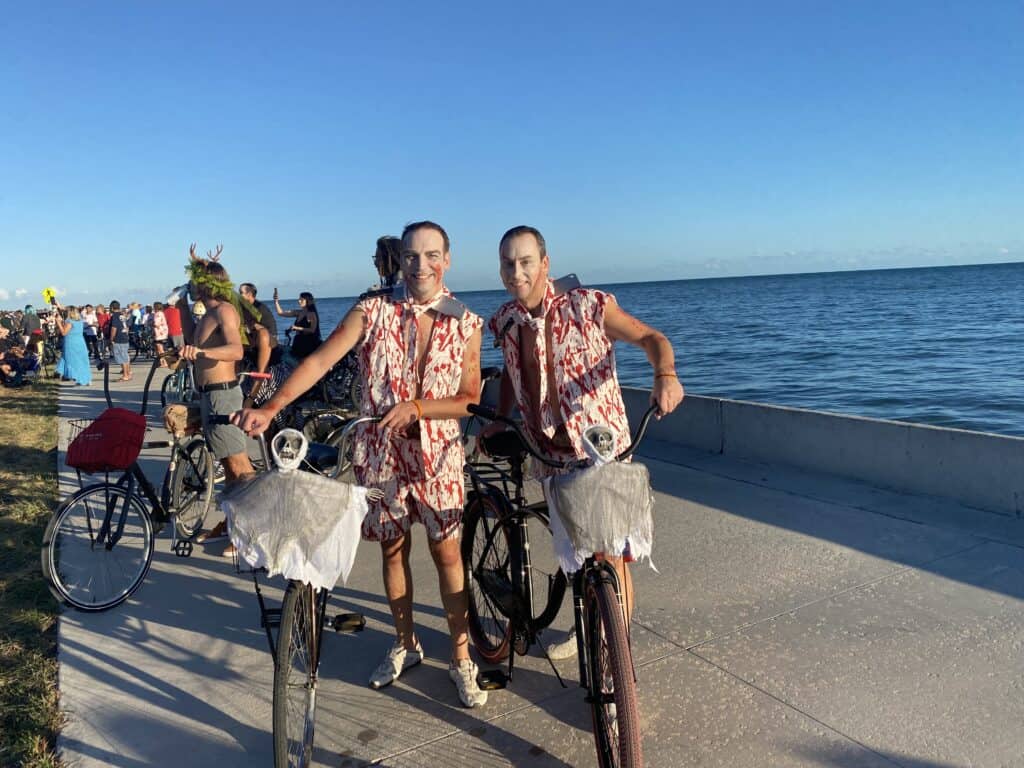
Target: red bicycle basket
x=111, y=442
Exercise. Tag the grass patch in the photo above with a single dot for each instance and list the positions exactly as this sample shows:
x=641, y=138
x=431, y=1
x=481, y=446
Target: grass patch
x=29, y=708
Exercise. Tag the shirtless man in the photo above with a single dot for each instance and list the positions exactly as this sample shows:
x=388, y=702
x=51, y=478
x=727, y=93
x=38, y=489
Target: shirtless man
x=572, y=329
x=419, y=353
x=215, y=346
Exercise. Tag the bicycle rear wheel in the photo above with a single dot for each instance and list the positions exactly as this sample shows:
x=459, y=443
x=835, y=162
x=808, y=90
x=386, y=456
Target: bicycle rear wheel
x=613, y=703
x=490, y=629
x=192, y=487
x=82, y=571
x=295, y=676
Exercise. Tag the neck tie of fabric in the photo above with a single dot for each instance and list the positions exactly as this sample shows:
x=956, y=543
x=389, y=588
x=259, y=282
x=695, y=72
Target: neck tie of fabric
x=418, y=309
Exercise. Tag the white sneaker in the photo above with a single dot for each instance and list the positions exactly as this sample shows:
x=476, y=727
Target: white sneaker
x=395, y=663
x=564, y=649
x=463, y=675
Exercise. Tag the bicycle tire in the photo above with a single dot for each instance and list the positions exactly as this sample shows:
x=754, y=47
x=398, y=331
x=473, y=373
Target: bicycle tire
x=489, y=628
x=168, y=389
x=295, y=678
x=192, y=488
x=617, y=737
x=95, y=578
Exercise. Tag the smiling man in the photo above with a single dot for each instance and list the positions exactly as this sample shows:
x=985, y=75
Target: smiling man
x=419, y=353
x=557, y=341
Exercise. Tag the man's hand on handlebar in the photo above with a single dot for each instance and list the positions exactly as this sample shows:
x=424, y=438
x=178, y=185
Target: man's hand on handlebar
x=252, y=421
x=190, y=352
x=400, y=416
x=667, y=394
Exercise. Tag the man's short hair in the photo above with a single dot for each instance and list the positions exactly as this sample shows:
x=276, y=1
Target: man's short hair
x=522, y=229
x=410, y=228
x=248, y=287
x=115, y=305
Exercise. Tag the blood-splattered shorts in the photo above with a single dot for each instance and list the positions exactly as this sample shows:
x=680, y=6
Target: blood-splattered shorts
x=411, y=496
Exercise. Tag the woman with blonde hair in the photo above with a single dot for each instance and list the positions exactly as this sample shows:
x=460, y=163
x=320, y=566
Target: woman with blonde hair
x=74, y=358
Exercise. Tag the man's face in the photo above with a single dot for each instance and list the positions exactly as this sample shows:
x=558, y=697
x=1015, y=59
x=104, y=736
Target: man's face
x=523, y=270
x=424, y=262
x=246, y=294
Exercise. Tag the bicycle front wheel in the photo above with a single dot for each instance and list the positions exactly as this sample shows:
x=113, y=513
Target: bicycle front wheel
x=98, y=547
x=192, y=487
x=613, y=703
x=295, y=677
x=169, y=390
x=486, y=556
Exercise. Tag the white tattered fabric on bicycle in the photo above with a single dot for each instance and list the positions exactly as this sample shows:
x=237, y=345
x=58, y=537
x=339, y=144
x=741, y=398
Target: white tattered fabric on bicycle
x=298, y=524
x=601, y=508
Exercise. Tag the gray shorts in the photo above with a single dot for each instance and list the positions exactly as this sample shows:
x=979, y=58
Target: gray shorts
x=178, y=341
x=120, y=352
x=224, y=439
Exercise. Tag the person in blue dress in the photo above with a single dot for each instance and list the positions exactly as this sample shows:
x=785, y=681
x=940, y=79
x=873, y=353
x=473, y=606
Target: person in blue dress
x=74, y=358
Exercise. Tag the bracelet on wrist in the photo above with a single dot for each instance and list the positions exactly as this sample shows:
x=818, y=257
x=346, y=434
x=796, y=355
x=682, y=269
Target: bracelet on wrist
x=419, y=410
x=666, y=375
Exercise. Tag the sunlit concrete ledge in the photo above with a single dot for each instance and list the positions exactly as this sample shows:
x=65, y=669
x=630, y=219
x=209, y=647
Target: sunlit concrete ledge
x=977, y=469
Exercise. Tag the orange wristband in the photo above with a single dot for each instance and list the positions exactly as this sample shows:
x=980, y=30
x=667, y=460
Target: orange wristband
x=671, y=375
x=419, y=410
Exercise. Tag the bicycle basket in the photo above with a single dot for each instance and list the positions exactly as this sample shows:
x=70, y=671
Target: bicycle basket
x=601, y=509
x=111, y=442
x=299, y=524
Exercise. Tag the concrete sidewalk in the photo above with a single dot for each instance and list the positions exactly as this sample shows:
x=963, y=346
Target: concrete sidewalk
x=797, y=620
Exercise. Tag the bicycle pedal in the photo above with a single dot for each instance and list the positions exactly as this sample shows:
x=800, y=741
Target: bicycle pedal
x=348, y=622
x=183, y=548
x=492, y=679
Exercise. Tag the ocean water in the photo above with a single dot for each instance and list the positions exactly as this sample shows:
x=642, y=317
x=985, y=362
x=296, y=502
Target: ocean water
x=938, y=345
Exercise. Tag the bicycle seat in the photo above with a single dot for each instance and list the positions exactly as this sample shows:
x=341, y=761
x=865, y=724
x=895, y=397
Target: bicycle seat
x=321, y=457
x=504, y=445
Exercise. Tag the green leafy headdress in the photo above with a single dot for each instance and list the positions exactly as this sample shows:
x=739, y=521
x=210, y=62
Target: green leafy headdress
x=198, y=271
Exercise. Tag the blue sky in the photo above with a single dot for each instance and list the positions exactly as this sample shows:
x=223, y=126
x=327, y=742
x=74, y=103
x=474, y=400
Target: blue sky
x=647, y=141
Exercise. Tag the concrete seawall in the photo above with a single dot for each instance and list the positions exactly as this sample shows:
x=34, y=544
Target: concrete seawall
x=977, y=469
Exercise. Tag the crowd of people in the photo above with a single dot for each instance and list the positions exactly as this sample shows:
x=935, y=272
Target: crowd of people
x=418, y=350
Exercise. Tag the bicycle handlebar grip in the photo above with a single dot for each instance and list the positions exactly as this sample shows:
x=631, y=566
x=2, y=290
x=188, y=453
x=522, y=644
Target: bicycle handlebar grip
x=219, y=419
x=257, y=375
x=483, y=411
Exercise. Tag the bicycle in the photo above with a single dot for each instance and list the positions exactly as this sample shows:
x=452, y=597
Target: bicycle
x=300, y=622
x=99, y=543
x=179, y=386
x=505, y=616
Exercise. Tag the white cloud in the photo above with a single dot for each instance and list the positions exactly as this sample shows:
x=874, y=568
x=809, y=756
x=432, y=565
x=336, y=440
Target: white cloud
x=4, y=294
x=1004, y=251
x=20, y=291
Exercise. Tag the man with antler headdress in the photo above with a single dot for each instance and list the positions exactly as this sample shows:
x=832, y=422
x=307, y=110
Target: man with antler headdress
x=215, y=346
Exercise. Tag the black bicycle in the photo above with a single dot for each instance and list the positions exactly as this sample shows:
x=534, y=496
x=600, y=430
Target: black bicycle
x=512, y=602
x=99, y=543
x=300, y=623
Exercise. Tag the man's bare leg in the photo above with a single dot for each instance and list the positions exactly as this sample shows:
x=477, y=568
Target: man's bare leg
x=398, y=587
x=452, y=581
x=236, y=467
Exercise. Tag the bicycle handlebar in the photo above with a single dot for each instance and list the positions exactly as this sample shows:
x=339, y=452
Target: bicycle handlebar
x=491, y=415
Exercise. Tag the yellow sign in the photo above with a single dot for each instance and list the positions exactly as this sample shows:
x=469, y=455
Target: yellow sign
x=49, y=295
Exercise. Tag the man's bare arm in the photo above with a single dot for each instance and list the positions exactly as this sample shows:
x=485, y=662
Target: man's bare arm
x=667, y=391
